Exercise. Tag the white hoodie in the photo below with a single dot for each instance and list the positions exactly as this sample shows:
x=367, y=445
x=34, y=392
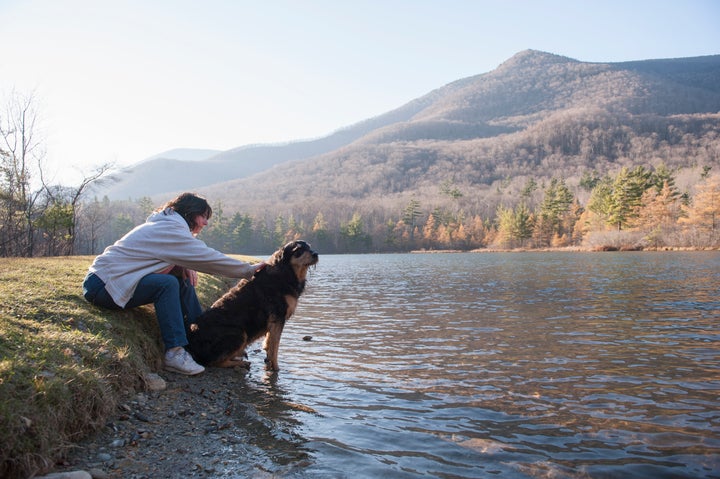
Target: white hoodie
x=163, y=240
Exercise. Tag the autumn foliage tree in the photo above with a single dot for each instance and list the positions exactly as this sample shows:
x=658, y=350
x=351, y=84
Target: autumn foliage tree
x=661, y=217
x=659, y=214
x=702, y=216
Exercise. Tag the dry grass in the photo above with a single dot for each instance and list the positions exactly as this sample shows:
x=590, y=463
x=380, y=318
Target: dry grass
x=65, y=364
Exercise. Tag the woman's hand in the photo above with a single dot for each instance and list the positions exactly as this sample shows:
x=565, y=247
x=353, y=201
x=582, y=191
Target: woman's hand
x=191, y=276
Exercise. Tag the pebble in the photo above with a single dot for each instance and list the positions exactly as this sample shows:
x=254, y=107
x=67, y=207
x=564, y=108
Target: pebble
x=98, y=474
x=67, y=475
x=155, y=383
x=117, y=443
x=141, y=417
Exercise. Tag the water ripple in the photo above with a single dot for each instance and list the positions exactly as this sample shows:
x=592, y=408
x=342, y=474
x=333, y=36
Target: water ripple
x=510, y=365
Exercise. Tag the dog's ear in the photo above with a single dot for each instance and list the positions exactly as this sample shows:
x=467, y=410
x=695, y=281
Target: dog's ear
x=288, y=250
x=284, y=253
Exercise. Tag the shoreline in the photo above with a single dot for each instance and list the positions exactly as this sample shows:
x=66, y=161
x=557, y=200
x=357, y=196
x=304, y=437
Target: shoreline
x=571, y=249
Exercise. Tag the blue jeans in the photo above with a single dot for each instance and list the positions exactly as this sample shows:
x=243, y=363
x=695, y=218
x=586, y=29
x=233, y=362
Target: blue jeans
x=175, y=302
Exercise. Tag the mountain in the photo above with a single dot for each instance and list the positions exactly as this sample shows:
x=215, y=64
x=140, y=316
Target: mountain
x=165, y=171
x=536, y=116
x=184, y=169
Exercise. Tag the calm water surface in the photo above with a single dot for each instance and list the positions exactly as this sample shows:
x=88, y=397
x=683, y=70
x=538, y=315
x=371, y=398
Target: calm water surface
x=519, y=365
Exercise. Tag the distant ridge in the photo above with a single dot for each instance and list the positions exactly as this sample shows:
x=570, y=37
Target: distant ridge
x=537, y=115
x=181, y=170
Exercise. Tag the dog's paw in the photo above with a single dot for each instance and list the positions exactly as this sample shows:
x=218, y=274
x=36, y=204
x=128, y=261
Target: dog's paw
x=271, y=365
x=233, y=362
x=239, y=362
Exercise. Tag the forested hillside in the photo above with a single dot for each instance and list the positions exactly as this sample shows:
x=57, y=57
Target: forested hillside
x=544, y=151
x=493, y=143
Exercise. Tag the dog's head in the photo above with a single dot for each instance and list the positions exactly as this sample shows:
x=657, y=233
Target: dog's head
x=297, y=254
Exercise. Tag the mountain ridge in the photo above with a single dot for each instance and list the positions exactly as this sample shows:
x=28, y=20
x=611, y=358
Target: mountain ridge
x=242, y=161
x=476, y=131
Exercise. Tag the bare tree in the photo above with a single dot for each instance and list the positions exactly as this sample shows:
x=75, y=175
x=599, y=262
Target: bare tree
x=21, y=155
x=67, y=200
x=35, y=217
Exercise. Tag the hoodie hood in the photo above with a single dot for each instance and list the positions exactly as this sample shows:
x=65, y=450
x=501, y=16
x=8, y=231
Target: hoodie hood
x=168, y=214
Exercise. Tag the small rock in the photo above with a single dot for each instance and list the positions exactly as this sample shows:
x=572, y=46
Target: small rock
x=117, y=443
x=26, y=422
x=98, y=474
x=155, y=382
x=141, y=417
x=104, y=457
x=307, y=338
x=67, y=475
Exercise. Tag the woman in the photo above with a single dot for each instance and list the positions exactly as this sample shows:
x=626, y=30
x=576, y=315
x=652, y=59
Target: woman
x=156, y=263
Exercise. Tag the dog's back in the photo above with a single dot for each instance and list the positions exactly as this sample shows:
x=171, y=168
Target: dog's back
x=235, y=320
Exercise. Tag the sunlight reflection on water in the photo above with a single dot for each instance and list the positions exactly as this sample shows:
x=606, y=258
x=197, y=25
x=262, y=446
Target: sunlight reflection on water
x=479, y=365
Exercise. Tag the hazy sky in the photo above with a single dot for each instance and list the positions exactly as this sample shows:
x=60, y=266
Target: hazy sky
x=123, y=80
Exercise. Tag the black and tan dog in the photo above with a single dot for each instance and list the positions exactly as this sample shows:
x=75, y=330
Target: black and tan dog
x=252, y=309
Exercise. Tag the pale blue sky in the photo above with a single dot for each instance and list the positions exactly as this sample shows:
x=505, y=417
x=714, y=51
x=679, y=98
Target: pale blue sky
x=120, y=81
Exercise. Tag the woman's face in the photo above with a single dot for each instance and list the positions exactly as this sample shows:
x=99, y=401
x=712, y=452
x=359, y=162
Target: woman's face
x=201, y=222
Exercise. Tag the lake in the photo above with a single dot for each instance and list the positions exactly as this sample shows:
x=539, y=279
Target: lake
x=512, y=365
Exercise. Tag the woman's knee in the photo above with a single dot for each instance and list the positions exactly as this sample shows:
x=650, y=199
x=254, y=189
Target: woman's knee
x=169, y=285
x=155, y=287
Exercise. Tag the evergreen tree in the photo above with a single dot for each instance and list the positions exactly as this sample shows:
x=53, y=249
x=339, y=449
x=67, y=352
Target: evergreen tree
x=146, y=205
x=279, y=231
x=514, y=225
x=589, y=180
x=216, y=233
x=529, y=188
x=354, y=235
x=240, y=232
x=524, y=222
x=448, y=188
x=553, y=210
x=626, y=198
x=600, y=201
x=411, y=213
x=618, y=200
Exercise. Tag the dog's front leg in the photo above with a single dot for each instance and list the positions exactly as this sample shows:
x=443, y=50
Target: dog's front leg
x=272, y=343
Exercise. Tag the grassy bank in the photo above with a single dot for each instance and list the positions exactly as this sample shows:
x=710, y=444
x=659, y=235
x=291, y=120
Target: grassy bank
x=64, y=364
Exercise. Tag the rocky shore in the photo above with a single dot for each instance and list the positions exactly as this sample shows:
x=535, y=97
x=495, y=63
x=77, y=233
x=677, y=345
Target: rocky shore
x=200, y=426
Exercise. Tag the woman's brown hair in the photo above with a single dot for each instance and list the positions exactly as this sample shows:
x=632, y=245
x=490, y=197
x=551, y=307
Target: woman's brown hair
x=189, y=206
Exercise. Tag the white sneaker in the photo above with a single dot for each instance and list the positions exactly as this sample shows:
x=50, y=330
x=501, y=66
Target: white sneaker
x=180, y=361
